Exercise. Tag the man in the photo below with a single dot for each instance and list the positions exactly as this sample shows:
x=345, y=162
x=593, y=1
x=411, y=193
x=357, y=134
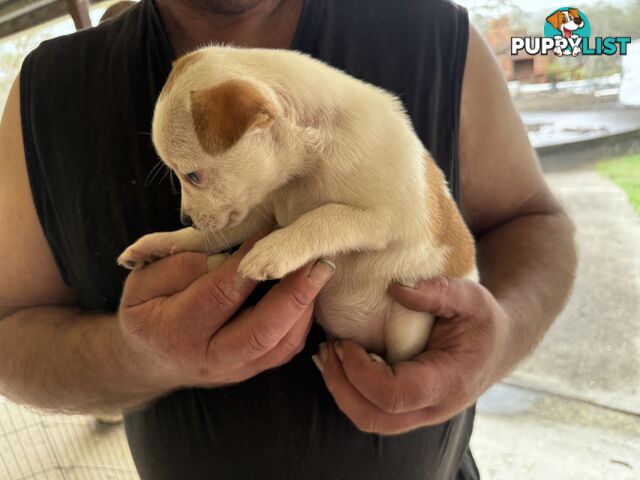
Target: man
x=220, y=390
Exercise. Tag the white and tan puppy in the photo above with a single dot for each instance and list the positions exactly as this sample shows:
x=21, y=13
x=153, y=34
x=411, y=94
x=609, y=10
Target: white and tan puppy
x=274, y=137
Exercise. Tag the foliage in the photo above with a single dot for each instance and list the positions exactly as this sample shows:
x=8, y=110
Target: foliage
x=625, y=172
x=612, y=20
x=566, y=69
x=482, y=15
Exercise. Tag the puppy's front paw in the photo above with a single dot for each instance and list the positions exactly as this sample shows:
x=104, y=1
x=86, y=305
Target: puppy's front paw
x=271, y=258
x=377, y=358
x=131, y=259
x=148, y=249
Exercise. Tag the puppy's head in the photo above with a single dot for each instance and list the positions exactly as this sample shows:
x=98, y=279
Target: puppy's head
x=566, y=21
x=218, y=136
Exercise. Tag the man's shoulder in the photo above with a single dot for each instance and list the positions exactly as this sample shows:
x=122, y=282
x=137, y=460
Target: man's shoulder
x=381, y=22
x=388, y=31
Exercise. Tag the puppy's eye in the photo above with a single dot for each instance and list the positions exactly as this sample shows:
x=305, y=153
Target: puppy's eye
x=193, y=178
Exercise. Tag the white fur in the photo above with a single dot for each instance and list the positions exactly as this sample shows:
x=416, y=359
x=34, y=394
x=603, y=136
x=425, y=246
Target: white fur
x=340, y=169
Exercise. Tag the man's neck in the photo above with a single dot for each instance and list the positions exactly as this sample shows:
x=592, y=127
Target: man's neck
x=268, y=24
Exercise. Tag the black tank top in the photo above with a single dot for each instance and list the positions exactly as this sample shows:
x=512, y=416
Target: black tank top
x=87, y=100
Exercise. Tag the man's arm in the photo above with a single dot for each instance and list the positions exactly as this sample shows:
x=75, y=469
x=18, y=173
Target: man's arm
x=57, y=357
x=51, y=355
x=526, y=250
x=527, y=260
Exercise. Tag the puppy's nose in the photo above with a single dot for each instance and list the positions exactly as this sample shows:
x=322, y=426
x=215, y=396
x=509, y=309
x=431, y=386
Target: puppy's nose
x=578, y=21
x=186, y=219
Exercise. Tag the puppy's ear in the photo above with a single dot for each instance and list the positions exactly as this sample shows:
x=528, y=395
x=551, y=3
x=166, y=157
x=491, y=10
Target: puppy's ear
x=555, y=20
x=222, y=114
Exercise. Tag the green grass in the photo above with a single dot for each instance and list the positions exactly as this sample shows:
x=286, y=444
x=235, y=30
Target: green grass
x=625, y=171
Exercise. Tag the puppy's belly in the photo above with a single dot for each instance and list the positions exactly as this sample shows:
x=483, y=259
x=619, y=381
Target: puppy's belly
x=355, y=304
x=347, y=310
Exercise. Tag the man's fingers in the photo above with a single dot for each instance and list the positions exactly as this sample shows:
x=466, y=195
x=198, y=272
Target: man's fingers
x=293, y=294
x=212, y=298
x=256, y=331
x=292, y=344
x=287, y=348
x=367, y=416
x=174, y=273
x=445, y=297
x=217, y=295
x=424, y=382
x=163, y=278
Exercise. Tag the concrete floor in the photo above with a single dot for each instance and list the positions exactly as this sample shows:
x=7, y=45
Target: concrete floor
x=570, y=411
x=522, y=434
x=593, y=350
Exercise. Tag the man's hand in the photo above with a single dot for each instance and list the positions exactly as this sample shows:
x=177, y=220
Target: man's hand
x=175, y=326
x=468, y=351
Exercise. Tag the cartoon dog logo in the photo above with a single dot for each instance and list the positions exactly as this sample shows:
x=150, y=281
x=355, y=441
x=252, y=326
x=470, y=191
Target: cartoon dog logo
x=567, y=21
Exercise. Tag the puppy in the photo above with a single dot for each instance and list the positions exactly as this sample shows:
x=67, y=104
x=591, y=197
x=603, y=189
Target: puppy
x=566, y=22
x=262, y=138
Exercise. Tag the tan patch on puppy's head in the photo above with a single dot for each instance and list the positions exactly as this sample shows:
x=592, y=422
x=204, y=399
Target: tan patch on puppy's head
x=447, y=224
x=222, y=114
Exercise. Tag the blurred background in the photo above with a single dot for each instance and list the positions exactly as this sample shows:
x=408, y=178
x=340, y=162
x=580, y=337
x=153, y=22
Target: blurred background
x=572, y=409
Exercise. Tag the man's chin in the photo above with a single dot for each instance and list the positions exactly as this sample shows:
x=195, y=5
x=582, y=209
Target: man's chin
x=224, y=7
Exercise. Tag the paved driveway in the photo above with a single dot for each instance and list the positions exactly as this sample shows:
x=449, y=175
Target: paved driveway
x=571, y=410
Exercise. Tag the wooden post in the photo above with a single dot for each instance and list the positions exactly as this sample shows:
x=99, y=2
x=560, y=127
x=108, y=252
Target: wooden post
x=79, y=10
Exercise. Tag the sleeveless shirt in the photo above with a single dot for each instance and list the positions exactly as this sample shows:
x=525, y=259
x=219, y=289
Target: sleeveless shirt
x=87, y=101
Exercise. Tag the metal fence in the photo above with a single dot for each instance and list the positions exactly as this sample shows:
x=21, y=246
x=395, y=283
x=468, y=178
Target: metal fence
x=60, y=447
